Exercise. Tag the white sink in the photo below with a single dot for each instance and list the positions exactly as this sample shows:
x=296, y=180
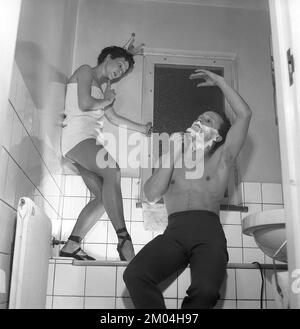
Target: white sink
x=268, y=229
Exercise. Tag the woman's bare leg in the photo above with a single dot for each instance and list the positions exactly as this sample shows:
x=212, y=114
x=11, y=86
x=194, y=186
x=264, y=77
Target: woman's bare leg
x=90, y=213
x=85, y=154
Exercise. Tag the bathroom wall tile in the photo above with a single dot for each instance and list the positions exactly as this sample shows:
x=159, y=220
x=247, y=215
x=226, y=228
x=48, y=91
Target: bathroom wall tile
x=138, y=247
x=252, y=192
x=235, y=255
x=63, y=260
x=248, y=304
x=253, y=255
x=271, y=305
x=98, y=233
x=96, y=250
x=4, y=158
x=7, y=228
x=27, y=117
x=111, y=233
x=73, y=206
x=157, y=233
x=99, y=302
x=66, y=228
x=249, y=241
x=233, y=234
x=228, y=288
x=8, y=119
x=124, y=303
x=238, y=194
x=221, y=304
x=68, y=302
x=49, y=186
x=271, y=289
x=136, y=213
x=127, y=209
x=138, y=233
x=100, y=281
x=50, y=279
x=36, y=128
x=13, y=84
x=135, y=188
x=60, y=179
x=74, y=286
x=112, y=253
x=252, y=208
x=126, y=187
x=226, y=304
x=49, y=301
x=75, y=186
x=269, y=278
x=230, y=217
x=184, y=281
x=104, y=216
x=56, y=227
x=16, y=138
x=5, y=267
x=121, y=287
x=51, y=206
x=10, y=188
x=170, y=287
x=179, y=303
x=269, y=260
x=248, y=283
x=171, y=303
x=272, y=193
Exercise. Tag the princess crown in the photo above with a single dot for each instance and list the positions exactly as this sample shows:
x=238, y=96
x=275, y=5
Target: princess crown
x=130, y=47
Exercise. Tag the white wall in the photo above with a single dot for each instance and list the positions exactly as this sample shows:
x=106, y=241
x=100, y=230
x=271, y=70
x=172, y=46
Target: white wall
x=197, y=28
x=29, y=157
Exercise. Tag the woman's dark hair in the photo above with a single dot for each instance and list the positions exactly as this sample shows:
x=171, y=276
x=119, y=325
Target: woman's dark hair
x=116, y=52
x=223, y=130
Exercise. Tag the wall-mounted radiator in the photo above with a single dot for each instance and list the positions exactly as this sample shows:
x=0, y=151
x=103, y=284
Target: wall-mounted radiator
x=29, y=277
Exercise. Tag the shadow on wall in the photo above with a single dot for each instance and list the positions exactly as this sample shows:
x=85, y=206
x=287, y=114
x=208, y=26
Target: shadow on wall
x=46, y=86
x=38, y=73
x=32, y=165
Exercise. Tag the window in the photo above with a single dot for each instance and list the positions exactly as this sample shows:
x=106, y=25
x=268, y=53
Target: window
x=172, y=102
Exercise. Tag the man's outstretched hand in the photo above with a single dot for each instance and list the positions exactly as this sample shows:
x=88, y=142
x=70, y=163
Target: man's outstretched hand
x=211, y=79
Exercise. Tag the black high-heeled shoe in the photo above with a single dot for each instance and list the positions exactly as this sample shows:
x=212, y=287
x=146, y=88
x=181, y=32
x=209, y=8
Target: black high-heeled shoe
x=121, y=244
x=75, y=253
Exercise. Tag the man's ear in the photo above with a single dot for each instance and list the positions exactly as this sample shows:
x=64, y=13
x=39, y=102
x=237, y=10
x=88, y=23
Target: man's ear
x=219, y=139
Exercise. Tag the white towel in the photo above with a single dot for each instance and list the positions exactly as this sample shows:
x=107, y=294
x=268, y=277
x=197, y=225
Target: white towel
x=155, y=216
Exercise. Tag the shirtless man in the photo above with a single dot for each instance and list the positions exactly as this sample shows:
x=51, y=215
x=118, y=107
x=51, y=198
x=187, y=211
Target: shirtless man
x=194, y=234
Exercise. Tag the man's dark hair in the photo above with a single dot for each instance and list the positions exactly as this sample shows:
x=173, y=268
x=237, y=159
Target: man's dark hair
x=223, y=130
x=116, y=52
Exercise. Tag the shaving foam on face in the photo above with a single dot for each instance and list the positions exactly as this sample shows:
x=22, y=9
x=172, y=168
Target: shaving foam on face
x=204, y=136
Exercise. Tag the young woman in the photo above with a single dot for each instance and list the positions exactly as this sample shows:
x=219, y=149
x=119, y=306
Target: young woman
x=85, y=107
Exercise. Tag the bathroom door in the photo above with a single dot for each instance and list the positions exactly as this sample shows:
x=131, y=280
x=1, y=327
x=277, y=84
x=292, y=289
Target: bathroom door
x=285, y=26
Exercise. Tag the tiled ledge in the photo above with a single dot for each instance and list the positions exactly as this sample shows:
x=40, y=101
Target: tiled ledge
x=223, y=207
x=124, y=263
